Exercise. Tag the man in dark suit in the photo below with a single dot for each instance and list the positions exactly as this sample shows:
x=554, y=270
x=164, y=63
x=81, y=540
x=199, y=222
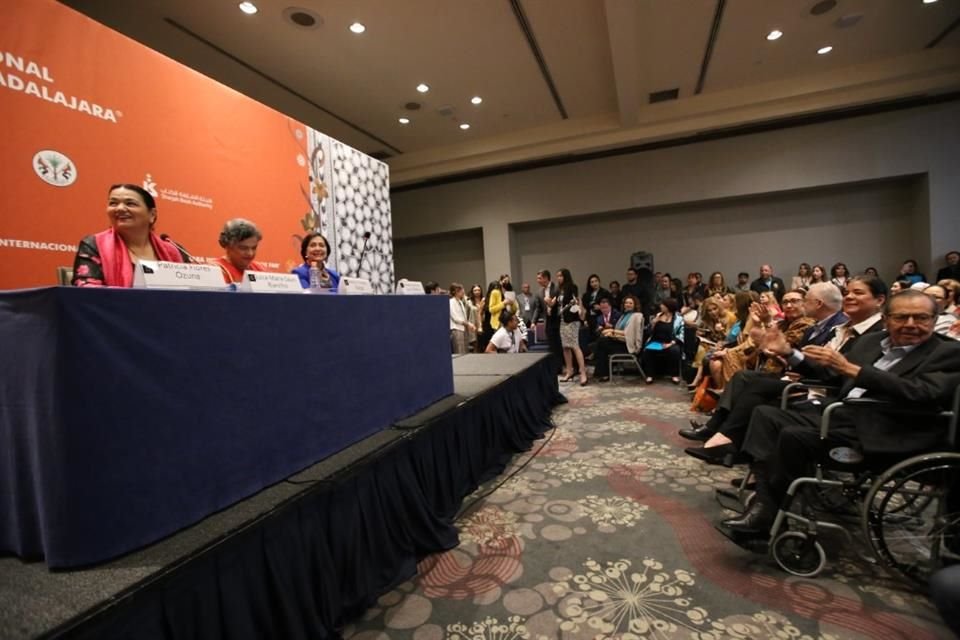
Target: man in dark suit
x=952, y=270
x=908, y=364
x=768, y=282
x=544, y=306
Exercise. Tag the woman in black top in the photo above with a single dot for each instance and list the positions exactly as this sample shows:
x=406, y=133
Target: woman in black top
x=572, y=314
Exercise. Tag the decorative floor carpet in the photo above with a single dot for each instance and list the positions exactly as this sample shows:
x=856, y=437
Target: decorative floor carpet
x=607, y=531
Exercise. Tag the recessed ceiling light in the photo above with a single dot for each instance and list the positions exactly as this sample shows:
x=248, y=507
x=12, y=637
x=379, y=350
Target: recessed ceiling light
x=404, y=120
x=476, y=100
x=248, y=8
x=464, y=126
x=825, y=50
x=356, y=27
x=775, y=34
x=422, y=88
x=929, y=1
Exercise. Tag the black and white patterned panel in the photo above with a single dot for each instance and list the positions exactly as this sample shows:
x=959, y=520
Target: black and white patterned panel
x=361, y=204
x=318, y=165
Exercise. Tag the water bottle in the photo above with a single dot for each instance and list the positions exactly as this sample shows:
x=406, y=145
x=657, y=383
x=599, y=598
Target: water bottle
x=314, y=276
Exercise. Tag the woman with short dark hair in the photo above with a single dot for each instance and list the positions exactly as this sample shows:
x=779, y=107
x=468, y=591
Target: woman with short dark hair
x=239, y=239
x=108, y=258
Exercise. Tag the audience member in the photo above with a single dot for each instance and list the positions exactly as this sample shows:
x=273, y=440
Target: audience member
x=898, y=286
x=547, y=309
x=817, y=274
x=768, y=282
x=803, y=278
x=616, y=297
x=717, y=286
x=431, y=288
x=239, y=239
x=952, y=287
x=694, y=287
x=910, y=272
x=459, y=320
x=871, y=271
x=634, y=288
x=839, y=275
x=508, y=337
x=952, y=270
x=663, y=350
x=743, y=282
x=475, y=308
x=571, y=316
x=662, y=292
x=525, y=303
x=626, y=336
x=945, y=320
x=909, y=365
x=491, y=313
x=591, y=299
x=108, y=258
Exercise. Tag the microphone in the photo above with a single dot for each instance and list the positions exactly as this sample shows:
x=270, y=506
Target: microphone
x=166, y=238
x=363, y=251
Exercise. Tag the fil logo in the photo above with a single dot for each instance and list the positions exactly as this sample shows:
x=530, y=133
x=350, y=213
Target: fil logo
x=150, y=185
x=54, y=168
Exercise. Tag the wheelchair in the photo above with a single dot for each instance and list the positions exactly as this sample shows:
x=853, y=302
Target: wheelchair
x=903, y=514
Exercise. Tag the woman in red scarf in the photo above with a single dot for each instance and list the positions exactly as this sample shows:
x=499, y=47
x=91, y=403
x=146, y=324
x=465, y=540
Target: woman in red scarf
x=239, y=239
x=106, y=259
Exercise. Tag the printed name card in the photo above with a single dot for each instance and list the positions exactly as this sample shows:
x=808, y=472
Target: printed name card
x=410, y=288
x=355, y=286
x=153, y=274
x=264, y=282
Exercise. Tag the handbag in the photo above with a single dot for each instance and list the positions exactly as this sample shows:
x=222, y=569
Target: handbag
x=703, y=401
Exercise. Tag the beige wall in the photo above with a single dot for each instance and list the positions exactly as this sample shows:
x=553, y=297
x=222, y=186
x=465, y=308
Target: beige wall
x=445, y=258
x=789, y=163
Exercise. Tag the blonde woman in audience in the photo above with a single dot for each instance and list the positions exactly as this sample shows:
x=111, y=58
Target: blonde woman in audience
x=839, y=275
x=952, y=287
x=769, y=301
x=817, y=274
x=803, y=278
x=740, y=352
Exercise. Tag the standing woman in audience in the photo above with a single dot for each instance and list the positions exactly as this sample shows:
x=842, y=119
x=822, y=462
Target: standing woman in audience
x=910, y=272
x=694, y=288
x=592, y=297
x=108, y=258
x=475, y=303
x=838, y=276
x=491, y=314
x=314, y=249
x=872, y=271
x=817, y=274
x=717, y=286
x=459, y=322
x=803, y=278
x=239, y=239
x=571, y=315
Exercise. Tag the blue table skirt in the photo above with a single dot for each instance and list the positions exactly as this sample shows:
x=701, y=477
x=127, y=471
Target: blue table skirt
x=126, y=415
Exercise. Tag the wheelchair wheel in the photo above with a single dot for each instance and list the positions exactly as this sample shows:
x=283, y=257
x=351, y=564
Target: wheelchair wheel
x=911, y=514
x=799, y=554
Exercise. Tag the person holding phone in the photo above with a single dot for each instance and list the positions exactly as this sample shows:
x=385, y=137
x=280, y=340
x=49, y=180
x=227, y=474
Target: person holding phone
x=572, y=314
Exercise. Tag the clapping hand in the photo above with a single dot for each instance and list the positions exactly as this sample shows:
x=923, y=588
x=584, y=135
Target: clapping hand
x=775, y=343
x=759, y=313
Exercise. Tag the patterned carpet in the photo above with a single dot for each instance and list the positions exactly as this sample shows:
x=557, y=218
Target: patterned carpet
x=608, y=532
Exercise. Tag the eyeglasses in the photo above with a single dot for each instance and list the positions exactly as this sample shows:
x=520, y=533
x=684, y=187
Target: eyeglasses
x=902, y=318
x=793, y=301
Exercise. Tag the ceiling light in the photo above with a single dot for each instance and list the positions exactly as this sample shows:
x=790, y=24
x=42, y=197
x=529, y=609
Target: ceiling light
x=774, y=35
x=824, y=50
x=464, y=126
x=476, y=100
x=404, y=120
x=248, y=8
x=356, y=27
x=422, y=88
x=929, y=1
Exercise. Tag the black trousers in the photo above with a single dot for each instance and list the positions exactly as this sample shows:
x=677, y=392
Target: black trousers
x=602, y=351
x=665, y=362
x=553, y=340
x=786, y=444
x=746, y=391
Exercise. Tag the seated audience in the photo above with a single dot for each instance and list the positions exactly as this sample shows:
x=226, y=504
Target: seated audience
x=711, y=329
x=431, y=288
x=743, y=282
x=803, y=278
x=663, y=350
x=952, y=287
x=952, y=270
x=108, y=258
x=314, y=249
x=507, y=338
x=239, y=239
x=817, y=274
x=616, y=297
x=909, y=365
x=768, y=282
x=694, y=288
x=459, y=319
x=898, y=286
x=625, y=336
x=839, y=275
x=944, y=321
x=871, y=271
x=607, y=317
x=717, y=287
x=662, y=292
x=910, y=272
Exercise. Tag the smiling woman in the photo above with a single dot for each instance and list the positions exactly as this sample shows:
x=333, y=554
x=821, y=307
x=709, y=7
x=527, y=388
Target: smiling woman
x=107, y=259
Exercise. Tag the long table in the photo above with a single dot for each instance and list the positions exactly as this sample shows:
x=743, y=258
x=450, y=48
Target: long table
x=126, y=415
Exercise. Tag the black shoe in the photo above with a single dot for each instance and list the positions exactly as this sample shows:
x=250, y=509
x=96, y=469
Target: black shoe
x=726, y=455
x=736, y=482
x=753, y=542
x=757, y=519
x=699, y=432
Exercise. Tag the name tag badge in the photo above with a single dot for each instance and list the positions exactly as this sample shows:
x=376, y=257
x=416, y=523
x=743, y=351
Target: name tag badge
x=154, y=274
x=265, y=282
x=355, y=286
x=526, y=306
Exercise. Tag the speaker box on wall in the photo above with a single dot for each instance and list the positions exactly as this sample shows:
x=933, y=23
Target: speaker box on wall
x=642, y=260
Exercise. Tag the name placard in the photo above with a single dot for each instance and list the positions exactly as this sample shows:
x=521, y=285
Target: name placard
x=410, y=288
x=154, y=274
x=265, y=282
x=355, y=286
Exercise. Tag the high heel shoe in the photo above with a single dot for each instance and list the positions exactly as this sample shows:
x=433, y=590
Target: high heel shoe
x=727, y=455
x=567, y=378
x=583, y=380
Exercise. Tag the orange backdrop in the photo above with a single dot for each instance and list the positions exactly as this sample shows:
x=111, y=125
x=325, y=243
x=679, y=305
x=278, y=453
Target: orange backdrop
x=125, y=113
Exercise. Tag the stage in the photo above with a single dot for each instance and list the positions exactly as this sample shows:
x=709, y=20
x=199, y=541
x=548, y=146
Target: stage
x=306, y=555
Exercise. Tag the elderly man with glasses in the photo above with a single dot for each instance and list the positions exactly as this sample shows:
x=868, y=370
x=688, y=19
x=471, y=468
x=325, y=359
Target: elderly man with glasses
x=907, y=364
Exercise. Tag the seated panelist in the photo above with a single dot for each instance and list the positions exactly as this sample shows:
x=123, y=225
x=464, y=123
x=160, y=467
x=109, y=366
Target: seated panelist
x=107, y=259
x=239, y=240
x=314, y=249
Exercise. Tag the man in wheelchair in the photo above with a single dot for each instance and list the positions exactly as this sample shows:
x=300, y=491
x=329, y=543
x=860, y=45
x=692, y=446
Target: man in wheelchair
x=908, y=364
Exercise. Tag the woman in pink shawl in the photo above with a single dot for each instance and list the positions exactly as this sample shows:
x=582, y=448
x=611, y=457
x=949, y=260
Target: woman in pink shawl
x=106, y=259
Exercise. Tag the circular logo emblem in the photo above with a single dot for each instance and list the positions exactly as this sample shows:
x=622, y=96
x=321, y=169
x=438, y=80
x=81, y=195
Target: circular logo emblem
x=54, y=168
